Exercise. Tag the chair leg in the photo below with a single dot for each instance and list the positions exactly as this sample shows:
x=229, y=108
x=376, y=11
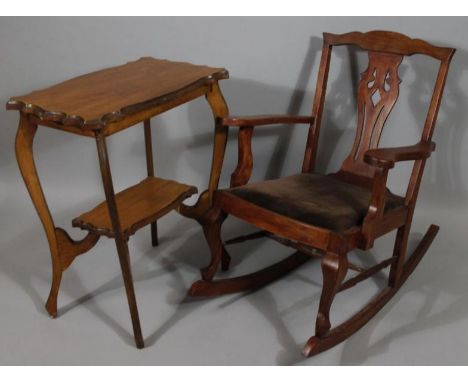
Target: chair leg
x=350, y=326
x=399, y=251
x=334, y=268
x=212, y=231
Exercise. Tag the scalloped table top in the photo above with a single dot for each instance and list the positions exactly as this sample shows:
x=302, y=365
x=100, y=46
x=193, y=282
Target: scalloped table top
x=107, y=95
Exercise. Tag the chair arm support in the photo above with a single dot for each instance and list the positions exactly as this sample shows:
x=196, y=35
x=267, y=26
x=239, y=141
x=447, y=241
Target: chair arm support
x=243, y=171
x=376, y=205
x=387, y=157
x=261, y=120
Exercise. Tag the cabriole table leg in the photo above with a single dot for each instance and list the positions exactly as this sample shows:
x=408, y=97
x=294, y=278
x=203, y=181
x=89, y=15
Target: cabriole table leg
x=62, y=248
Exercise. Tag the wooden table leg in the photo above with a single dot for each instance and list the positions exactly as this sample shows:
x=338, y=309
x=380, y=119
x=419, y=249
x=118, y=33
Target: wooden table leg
x=202, y=208
x=62, y=248
x=220, y=109
x=24, y=156
x=120, y=241
x=150, y=171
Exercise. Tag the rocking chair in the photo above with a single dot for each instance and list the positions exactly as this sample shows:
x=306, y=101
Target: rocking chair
x=329, y=215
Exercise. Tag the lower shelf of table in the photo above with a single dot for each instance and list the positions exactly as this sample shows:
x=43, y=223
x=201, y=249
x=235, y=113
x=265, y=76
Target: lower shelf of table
x=137, y=206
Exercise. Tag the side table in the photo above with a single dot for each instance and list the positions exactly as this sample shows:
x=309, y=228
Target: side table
x=98, y=105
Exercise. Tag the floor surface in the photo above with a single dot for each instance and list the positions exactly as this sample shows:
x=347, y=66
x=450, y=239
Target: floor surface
x=426, y=323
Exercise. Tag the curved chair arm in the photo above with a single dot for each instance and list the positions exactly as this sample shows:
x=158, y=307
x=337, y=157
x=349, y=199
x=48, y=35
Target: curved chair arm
x=384, y=159
x=261, y=120
x=243, y=171
x=387, y=157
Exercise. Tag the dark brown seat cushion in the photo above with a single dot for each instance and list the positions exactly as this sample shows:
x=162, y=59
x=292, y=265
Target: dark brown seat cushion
x=316, y=199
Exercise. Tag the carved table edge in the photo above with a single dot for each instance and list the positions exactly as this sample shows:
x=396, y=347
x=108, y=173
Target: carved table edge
x=76, y=121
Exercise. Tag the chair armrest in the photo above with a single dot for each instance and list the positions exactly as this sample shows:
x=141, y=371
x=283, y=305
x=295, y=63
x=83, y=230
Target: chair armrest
x=260, y=120
x=243, y=171
x=387, y=157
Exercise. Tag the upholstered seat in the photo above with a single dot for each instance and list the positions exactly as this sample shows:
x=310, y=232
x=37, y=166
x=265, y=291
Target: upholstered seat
x=328, y=216
x=320, y=200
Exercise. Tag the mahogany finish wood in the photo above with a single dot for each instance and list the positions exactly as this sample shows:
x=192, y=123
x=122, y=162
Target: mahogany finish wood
x=387, y=157
x=97, y=105
x=137, y=206
x=256, y=280
x=377, y=94
x=341, y=332
x=92, y=101
x=261, y=120
x=150, y=172
x=120, y=242
x=62, y=248
x=366, y=166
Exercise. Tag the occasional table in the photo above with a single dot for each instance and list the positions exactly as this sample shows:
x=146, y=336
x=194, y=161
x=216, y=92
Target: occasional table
x=100, y=104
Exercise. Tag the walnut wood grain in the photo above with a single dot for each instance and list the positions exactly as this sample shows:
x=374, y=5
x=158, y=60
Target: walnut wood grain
x=387, y=157
x=367, y=166
x=243, y=171
x=308, y=163
x=280, y=225
x=93, y=100
x=137, y=206
x=121, y=243
x=25, y=158
x=63, y=249
x=350, y=326
x=100, y=104
x=378, y=92
x=201, y=210
x=150, y=172
x=261, y=120
x=389, y=42
x=249, y=282
x=334, y=268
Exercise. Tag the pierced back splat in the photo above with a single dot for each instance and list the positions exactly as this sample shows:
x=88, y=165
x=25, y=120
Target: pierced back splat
x=377, y=93
x=386, y=51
